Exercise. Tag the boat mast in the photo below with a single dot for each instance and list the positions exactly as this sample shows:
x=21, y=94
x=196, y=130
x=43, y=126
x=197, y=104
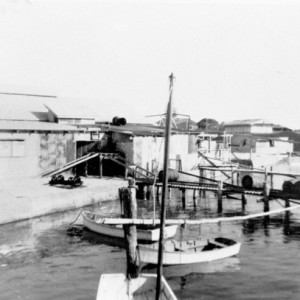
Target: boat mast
x=164, y=190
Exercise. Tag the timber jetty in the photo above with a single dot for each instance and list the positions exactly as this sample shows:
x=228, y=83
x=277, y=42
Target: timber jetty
x=223, y=190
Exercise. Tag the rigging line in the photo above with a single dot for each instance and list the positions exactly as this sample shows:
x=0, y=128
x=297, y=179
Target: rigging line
x=78, y=215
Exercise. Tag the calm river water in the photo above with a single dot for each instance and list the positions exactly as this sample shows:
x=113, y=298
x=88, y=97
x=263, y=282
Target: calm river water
x=40, y=259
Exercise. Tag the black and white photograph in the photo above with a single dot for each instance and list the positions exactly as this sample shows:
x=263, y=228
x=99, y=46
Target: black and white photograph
x=149, y=149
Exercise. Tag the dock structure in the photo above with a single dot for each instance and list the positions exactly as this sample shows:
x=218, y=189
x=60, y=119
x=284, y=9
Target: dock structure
x=223, y=190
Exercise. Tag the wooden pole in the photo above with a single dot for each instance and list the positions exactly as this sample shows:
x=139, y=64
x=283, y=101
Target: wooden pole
x=271, y=178
x=220, y=196
x=287, y=217
x=100, y=166
x=130, y=211
x=194, y=194
x=266, y=193
x=244, y=201
x=183, y=199
x=164, y=191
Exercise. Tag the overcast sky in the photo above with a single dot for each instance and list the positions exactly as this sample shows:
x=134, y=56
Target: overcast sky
x=231, y=59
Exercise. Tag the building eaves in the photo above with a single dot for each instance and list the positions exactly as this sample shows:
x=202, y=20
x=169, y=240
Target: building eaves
x=35, y=126
x=248, y=122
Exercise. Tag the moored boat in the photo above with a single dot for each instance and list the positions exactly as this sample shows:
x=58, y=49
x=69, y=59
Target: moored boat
x=117, y=286
x=147, y=233
x=189, y=252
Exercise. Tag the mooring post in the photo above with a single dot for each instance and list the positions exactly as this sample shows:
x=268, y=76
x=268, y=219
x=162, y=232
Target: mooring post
x=100, y=166
x=194, y=194
x=183, y=199
x=130, y=211
x=194, y=200
x=271, y=178
x=220, y=196
x=244, y=201
x=266, y=194
x=287, y=217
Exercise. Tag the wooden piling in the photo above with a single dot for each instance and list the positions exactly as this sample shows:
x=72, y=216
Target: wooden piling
x=244, y=201
x=271, y=178
x=100, y=166
x=130, y=211
x=148, y=192
x=220, y=196
x=183, y=199
x=287, y=218
x=194, y=195
x=200, y=180
x=266, y=196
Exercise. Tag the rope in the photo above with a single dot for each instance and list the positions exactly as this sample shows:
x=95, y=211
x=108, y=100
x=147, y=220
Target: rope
x=78, y=215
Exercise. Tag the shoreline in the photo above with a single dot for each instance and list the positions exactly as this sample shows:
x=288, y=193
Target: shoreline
x=33, y=197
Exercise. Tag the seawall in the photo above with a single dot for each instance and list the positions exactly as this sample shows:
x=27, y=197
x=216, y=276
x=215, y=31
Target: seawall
x=34, y=197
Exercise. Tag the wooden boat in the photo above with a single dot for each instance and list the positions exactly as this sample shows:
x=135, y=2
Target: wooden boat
x=147, y=233
x=117, y=286
x=190, y=252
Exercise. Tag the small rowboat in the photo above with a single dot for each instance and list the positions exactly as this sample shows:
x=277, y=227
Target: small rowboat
x=189, y=252
x=145, y=233
x=117, y=286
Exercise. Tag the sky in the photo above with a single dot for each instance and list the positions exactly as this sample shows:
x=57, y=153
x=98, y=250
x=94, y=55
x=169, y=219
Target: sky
x=231, y=60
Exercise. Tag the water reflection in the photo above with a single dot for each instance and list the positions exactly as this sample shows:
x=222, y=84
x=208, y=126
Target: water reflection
x=66, y=263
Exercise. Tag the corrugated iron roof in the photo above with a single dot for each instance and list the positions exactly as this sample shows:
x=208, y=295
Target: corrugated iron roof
x=20, y=107
x=247, y=122
x=68, y=109
x=144, y=130
x=34, y=126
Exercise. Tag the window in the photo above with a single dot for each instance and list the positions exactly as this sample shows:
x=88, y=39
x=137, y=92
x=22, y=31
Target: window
x=12, y=148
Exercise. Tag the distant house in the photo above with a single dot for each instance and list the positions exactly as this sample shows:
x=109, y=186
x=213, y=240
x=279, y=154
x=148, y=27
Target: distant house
x=248, y=126
x=280, y=128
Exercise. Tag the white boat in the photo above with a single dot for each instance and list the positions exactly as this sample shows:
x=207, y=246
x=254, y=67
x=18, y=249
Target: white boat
x=146, y=233
x=190, y=252
x=118, y=287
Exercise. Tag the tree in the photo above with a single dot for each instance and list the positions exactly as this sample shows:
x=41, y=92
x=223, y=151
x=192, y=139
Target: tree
x=208, y=124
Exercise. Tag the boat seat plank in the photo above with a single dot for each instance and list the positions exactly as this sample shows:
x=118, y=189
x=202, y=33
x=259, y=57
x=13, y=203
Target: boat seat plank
x=218, y=243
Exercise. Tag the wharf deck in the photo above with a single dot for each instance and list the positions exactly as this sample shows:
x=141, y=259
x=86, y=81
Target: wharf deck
x=227, y=188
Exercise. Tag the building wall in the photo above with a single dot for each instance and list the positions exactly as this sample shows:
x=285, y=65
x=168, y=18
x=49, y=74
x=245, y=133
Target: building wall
x=247, y=128
x=237, y=129
x=56, y=150
x=244, y=143
x=31, y=154
x=148, y=152
x=261, y=128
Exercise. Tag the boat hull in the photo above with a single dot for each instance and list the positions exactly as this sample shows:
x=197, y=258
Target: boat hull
x=148, y=235
x=195, y=254
x=118, y=287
